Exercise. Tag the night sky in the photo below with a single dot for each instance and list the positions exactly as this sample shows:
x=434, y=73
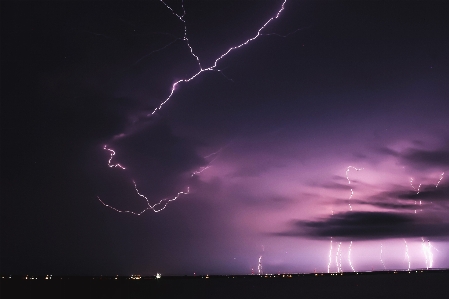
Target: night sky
x=267, y=144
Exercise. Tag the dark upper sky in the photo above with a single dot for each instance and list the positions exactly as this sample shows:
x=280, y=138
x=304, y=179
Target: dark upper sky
x=266, y=144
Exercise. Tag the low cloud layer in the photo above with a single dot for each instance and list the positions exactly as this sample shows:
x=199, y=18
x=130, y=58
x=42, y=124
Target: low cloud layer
x=369, y=226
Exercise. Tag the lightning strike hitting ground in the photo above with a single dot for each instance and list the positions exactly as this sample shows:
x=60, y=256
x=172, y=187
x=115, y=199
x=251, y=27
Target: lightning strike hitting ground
x=407, y=256
x=427, y=249
x=349, y=257
x=330, y=259
x=338, y=258
x=259, y=266
x=381, y=260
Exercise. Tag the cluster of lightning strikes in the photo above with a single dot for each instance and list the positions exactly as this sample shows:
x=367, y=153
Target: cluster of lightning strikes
x=407, y=256
x=426, y=246
x=338, y=254
x=163, y=203
x=213, y=67
x=338, y=258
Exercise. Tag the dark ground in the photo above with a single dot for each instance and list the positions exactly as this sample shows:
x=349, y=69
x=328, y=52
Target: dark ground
x=364, y=285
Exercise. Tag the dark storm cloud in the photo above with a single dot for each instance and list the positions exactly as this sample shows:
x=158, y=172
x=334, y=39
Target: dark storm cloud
x=157, y=147
x=438, y=158
x=430, y=197
x=427, y=193
x=368, y=226
x=421, y=158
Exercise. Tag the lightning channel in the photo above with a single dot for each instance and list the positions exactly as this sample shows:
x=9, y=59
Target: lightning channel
x=112, y=152
x=349, y=257
x=163, y=203
x=213, y=67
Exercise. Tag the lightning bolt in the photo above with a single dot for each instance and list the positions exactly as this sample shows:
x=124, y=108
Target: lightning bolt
x=213, y=67
x=349, y=257
x=416, y=189
x=407, y=256
x=110, y=158
x=155, y=208
x=427, y=248
x=330, y=258
x=381, y=260
x=339, y=252
x=349, y=183
x=338, y=258
x=441, y=177
x=203, y=168
x=163, y=203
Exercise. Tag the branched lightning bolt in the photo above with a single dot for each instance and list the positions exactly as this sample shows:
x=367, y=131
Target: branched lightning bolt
x=155, y=208
x=213, y=67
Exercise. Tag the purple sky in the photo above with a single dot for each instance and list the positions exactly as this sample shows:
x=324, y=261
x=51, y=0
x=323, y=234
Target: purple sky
x=262, y=144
